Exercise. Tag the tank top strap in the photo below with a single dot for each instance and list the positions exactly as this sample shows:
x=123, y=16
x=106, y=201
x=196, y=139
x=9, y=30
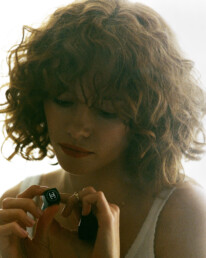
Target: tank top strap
x=27, y=182
x=143, y=246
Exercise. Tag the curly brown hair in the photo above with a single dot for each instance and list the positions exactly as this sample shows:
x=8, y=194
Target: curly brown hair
x=132, y=55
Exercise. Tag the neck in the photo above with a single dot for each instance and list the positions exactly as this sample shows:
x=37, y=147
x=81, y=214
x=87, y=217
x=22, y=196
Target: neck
x=113, y=181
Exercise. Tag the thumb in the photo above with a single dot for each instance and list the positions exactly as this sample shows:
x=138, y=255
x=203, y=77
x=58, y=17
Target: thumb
x=44, y=223
x=39, y=245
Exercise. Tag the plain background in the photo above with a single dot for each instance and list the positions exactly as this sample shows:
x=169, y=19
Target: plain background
x=187, y=19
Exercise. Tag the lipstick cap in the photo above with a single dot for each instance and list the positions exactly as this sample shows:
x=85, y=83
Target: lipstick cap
x=50, y=197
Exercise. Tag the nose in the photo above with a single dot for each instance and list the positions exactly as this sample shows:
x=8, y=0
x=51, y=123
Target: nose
x=80, y=122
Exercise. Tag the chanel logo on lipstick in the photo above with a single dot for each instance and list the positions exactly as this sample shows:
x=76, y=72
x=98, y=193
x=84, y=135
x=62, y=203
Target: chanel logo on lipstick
x=50, y=197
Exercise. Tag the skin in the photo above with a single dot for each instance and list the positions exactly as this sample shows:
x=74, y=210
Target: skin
x=72, y=121
x=13, y=237
x=180, y=229
x=102, y=184
x=85, y=126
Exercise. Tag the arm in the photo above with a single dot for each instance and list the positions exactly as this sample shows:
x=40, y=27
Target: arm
x=181, y=229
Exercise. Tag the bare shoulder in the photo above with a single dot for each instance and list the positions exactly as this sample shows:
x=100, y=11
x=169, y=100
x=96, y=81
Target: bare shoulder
x=181, y=228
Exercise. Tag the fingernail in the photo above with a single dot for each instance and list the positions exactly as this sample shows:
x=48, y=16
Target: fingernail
x=64, y=212
x=39, y=212
x=44, y=187
x=31, y=222
x=25, y=233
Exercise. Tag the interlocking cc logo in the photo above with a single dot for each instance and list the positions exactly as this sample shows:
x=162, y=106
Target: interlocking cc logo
x=52, y=196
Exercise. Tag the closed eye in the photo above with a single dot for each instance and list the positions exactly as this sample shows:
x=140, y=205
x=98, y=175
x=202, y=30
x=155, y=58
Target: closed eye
x=102, y=113
x=107, y=114
x=63, y=103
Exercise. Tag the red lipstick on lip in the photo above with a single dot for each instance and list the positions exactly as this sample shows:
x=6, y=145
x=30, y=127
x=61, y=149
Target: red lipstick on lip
x=74, y=151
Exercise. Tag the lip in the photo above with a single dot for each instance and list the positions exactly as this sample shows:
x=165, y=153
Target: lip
x=74, y=151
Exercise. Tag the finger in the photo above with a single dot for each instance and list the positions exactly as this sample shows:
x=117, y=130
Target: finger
x=7, y=216
x=12, y=229
x=115, y=211
x=98, y=199
x=85, y=191
x=26, y=204
x=73, y=202
x=65, y=197
x=101, y=208
x=33, y=191
x=39, y=246
x=44, y=223
x=115, y=208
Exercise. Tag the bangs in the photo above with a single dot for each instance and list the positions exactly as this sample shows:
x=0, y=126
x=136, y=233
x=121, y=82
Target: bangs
x=90, y=52
x=97, y=69
x=98, y=75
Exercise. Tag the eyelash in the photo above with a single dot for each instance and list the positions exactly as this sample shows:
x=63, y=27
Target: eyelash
x=65, y=103
x=107, y=114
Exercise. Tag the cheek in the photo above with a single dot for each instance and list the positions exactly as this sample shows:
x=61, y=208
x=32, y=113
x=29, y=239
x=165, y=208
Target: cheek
x=53, y=119
x=114, y=138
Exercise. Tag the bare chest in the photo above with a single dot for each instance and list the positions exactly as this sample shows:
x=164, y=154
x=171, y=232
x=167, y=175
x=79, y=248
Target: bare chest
x=66, y=244
x=66, y=241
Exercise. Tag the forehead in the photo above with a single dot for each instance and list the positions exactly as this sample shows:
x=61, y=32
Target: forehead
x=94, y=82
x=81, y=93
x=93, y=86
x=84, y=94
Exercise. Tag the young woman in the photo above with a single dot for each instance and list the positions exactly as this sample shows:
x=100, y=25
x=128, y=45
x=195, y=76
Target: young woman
x=103, y=86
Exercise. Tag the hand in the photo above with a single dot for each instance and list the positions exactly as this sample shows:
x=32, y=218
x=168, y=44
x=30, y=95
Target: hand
x=107, y=244
x=14, y=220
x=14, y=241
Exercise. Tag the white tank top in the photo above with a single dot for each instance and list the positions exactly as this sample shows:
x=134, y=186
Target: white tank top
x=143, y=246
